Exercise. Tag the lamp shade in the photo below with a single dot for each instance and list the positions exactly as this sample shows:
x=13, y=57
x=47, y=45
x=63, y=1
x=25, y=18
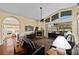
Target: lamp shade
x=61, y=42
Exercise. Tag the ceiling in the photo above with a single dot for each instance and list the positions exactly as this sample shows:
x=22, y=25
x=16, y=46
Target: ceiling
x=32, y=10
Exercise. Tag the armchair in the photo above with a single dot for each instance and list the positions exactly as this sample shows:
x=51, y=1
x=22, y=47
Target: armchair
x=34, y=49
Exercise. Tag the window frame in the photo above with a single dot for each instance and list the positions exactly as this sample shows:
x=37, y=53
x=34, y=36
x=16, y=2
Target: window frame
x=55, y=16
x=47, y=20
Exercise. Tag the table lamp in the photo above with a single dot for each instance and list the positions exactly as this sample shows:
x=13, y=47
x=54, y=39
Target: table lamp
x=61, y=42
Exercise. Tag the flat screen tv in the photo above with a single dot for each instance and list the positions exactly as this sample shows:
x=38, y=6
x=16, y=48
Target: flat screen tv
x=39, y=33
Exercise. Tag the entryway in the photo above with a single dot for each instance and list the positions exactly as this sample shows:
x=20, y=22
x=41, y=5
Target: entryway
x=10, y=28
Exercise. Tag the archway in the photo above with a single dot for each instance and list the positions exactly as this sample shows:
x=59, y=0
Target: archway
x=10, y=26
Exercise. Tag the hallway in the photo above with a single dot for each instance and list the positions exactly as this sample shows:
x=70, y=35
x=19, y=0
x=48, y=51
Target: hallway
x=8, y=47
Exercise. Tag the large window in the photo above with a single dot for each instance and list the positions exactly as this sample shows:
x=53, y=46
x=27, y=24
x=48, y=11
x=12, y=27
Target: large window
x=56, y=16
x=47, y=20
x=9, y=32
x=66, y=14
x=66, y=26
x=10, y=20
x=50, y=25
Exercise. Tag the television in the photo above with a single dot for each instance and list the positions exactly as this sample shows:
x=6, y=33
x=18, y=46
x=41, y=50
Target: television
x=39, y=33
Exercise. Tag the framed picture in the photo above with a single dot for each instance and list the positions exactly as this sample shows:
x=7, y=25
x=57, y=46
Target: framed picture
x=28, y=28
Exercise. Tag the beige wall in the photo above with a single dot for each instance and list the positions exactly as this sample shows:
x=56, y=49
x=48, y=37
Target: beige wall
x=74, y=23
x=23, y=22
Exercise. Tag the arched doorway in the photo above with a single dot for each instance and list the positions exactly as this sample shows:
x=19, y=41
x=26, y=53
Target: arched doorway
x=10, y=26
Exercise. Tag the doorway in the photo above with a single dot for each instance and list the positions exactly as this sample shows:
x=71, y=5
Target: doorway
x=10, y=27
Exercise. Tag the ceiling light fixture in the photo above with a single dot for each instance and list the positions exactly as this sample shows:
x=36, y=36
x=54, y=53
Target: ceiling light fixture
x=41, y=15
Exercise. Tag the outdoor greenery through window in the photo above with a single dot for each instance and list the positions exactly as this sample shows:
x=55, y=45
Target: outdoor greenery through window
x=66, y=13
x=66, y=26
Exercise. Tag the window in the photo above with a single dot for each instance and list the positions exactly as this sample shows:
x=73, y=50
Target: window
x=47, y=20
x=10, y=20
x=51, y=26
x=66, y=26
x=9, y=32
x=66, y=14
x=56, y=16
x=42, y=20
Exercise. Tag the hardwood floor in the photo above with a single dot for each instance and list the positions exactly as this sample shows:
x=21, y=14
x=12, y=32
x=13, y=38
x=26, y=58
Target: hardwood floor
x=44, y=41
x=8, y=47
